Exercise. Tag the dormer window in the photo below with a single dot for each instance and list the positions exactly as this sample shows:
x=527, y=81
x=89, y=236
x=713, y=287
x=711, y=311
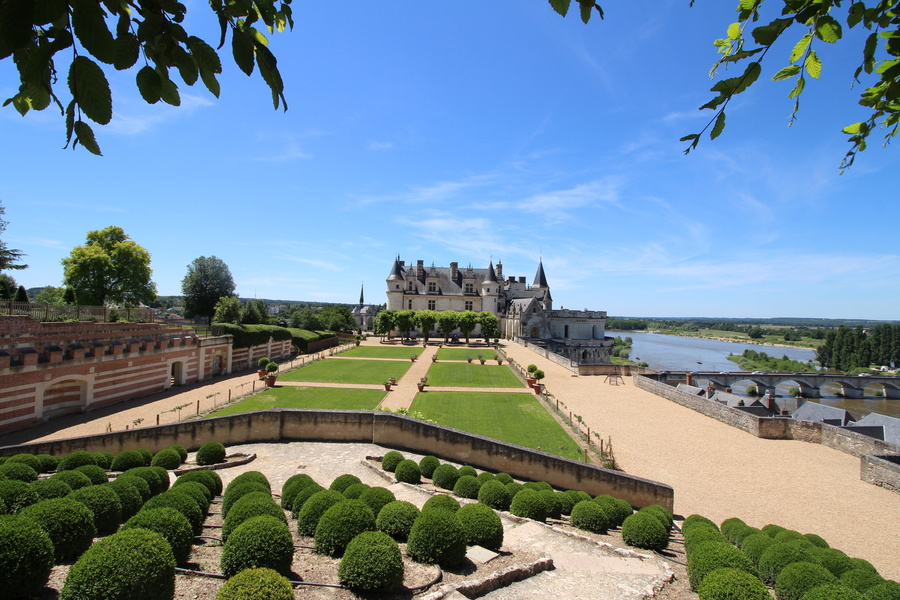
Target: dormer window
x=470, y=288
x=432, y=287
x=410, y=285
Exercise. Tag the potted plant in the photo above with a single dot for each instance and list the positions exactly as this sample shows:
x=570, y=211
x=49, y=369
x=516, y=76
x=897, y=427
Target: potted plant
x=271, y=368
x=393, y=380
x=387, y=386
x=421, y=385
x=538, y=375
x=499, y=359
x=469, y=358
x=261, y=367
x=358, y=340
x=481, y=358
x=434, y=358
x=413, y=357
x=530, y=378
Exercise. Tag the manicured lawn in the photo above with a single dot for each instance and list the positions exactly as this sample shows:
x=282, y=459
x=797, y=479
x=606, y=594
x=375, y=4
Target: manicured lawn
x=307, y=397
x=383, y=352
x=334, y=370
x=513, y=418
x=462, y=353
x=472, y=375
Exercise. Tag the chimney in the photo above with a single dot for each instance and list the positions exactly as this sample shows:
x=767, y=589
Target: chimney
x=454, y=271
x=420, y=269
x=521, y=280
x=512, y=279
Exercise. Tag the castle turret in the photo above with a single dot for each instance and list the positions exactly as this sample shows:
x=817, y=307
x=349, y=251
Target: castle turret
x=490, y=290
x=395, y=284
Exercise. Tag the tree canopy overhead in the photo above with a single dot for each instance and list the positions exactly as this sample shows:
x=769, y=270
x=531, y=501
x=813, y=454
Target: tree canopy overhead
x=207, y=280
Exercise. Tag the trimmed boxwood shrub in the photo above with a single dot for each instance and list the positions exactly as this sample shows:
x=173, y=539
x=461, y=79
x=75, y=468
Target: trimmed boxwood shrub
x=353, y=492
x=445, y=476
x=250, y=476
x=833, y=591
x=732, y=584
x=27, y=459
x=210, y=453
x=437, y=537
x=481, y=526
x=552, y=502
x=181, y=450
x=716, y=555
x=408, y=471
x=441, y=501
x=730, y=525
x=208, y=478
x=235, y=491
x=503, y=478
x=537, y=485
x=664, y=516
x=134, y=563
x=148, y=456
x=428, y=464
x=861, y=563
x=76, y=459
x=816, y=540
x=104, y=503
x=484, y=477
x=566, y=502
x=832, y=559
x=776, y=557
x=127, y=459
x=314, y=508
x=340, y=524
x=138, y=483
x=861, y=579
x=94, y=472
x=196, y=490
x=579, y=495
x=514, y=487
x=294, y=484
x=466, y=487
x=494, y=494
x=167, y=458
x=643, y=530
x=151, y=476
x=26, y=557
x=16, y=495
x=697, y=520
x=589, y=516
x=19, y=471
x=47, y=463
x=617, y=510
x=180, y=502
x=104, y=459
x=129, y=497
x=529, y=503
x=372, y=561
x=754, y=546
x=262, y=541
x=789, y=535
x=302, y=496
x=50, y=488
x=171, y=525
x=250, y=505
x=391, y=460
x=887, y=590
x=698, y=536
x=342, y=482
x=468, y=470
x=257, y=584
x=741, y=532
x=772, y=530
x=798, y=578
x=396, y=519
x=377, y=498
x=69, y=523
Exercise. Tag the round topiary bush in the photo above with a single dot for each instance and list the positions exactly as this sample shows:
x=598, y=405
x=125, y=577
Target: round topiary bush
x=886, y=590
x=861, y=579
x=391, y=460
x=481, y=526
x=408, y=471
x=787, y=535
x=314, y=508
x=104, y=503
x=503, y=478
x=754, y=546
x=732, y=584
x=127, y=459
x=377, y=498
x=589, y=516
x=441, y=501
x=484, y=477
x=396, y=519
x=294, y=484
x=529, y=504
x=196, y=490
x=552, y=502
x=208, y=478
x=514, y=487
x=137, y=483
x=494, y=494
x=235, y=491
x=167, y=458
x=133, y=563
x=834, y=591
x=537, y=485
x=340, y=524
x=468, y=470
x=302, y=496
x=16, y=495
x=729, y=525
x=257, y=584
x=698, y=536
x=861, y=563
x=437, y=537
x=18, y=471
x=466, y=487
x=103, y=459
x=664, y=516
x=148, y=456
x=74, y=479
x=816, y=540
x=94, y=472
x=181, y=450
x=832, y=559
x=775, y=558
x=26, y=557
x=128, y=495
x=180, y=502
x=27, y=459
x=342, y=482
x=70, y=525
x=798, y=578
x=210, y=453
x=50, y=488
x=250, y=477
x=445, y=476
x=741, y=532
x=428, y=464
x=566, y=502
x=76, y=459
x=47, y=463
x=171, y=525
x=355, y=491
x=152, y=476
x=643, y=530
x=715, y=555
x=616, y=509
x=697, y=520
x=262, y=541
x=249, y=506
x=772, y=530
x=372, y=561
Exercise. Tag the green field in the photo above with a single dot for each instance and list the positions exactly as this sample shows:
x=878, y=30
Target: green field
x=383, y=352
x=463, y=353
x=474, y=374
x=513, y=418
x=307, y=397
x=335, y=370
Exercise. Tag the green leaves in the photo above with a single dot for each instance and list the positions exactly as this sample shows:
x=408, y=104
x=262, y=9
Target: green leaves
x=90, y=90
x=149, y=84
x=828, y=29
x=88, y=22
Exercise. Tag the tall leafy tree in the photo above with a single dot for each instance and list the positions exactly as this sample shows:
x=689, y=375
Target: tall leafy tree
x=384, y=322
x=110, y=268
x=254, y=312
x=447, y=321
x=8, y=286
x=490, y=325
x=306, y=318
x=228, y=310
x=425, y=320
x=8, y=257
x=404, y=321
x=468, y=320
x=21, y=294
x=50, y=295
x=207, y=280
x=337, y=318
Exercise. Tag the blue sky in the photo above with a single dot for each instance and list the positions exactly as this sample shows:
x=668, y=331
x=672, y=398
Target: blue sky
x=470, y=131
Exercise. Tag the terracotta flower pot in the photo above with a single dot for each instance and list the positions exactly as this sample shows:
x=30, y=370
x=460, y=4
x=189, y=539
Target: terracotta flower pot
x=393, y=380
x=261, y=373
x=537, y=388
x=421, y=387
x=387, y=387
x=531, y=381
x=270, y=380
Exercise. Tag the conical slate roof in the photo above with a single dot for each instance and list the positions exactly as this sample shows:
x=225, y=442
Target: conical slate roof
x=396, y=273
x=361, y=299
x=540, y=280
x=491, y=276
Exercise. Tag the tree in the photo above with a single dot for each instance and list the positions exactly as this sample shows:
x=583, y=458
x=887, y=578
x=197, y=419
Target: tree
x=490, y=325
x=110, y=268
x=51, y=295
x=207, y=280
x=8, y=258
x=8, y=286
x=41, y=41
x=468, y=319
x=447, y=321
x=384, y=322
x=21, y=294
x=254, y=312
x=404, y=320
x=306, y=318
x=227, y=310
x=337, y=318
x=69, y=296
x=425, y=320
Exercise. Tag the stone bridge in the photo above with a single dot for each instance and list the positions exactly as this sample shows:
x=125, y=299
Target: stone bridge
x=810, y=384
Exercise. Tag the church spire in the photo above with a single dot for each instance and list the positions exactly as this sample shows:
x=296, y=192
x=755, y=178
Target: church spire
x=540, y=280
x=362, y=300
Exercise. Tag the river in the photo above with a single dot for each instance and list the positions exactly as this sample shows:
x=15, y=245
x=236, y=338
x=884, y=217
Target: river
x=680, y=353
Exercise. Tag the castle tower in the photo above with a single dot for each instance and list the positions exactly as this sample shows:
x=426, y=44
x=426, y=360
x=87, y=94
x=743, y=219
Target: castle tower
x=395, y=283
x=490, y=290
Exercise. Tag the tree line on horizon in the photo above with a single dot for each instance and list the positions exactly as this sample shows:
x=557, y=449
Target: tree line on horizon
x=846, y=349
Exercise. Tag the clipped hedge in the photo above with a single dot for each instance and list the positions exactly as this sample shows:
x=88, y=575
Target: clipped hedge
x=494, y=494
x=798, y=578
x=132, y=563
x=835, y=591
x=716, y=555
x=104, y=502
x=776, y=557
x=245, y=336
x=50, y=488
x=437, y=537
x=590, y=516
x=391, y=460
x=428, y=464
x=887, y=590
x=445, y=476
x=754, y=546
x=257, y=584
x=171, y=525
x=861, y=579
x=210, y=453
x=529, y=503
x=262, y=541
x=26, y=557
x=342, y=482
x=127, y=459
x=372, y=561
x=408, y=471
x=340, y=524
x=396, y=519
x=481, y=526
x=70, y=525
x=643, y=530
x=466, y=487
x=732, y=584
x=314, y=508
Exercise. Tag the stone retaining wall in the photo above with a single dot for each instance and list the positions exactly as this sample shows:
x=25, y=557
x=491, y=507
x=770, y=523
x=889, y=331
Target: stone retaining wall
x=883, y=471
x=377, y=427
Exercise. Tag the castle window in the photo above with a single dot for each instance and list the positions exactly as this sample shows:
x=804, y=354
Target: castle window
x=409, y=306
x=432, y=287
x=566, y=334
x=410, y=285
x=431, y=305
x=470, y=288
x=468, y=305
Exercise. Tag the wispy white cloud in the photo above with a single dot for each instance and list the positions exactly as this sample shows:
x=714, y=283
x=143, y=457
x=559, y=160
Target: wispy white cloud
x=134, y=118
x=380, y=145
x=564, y=203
